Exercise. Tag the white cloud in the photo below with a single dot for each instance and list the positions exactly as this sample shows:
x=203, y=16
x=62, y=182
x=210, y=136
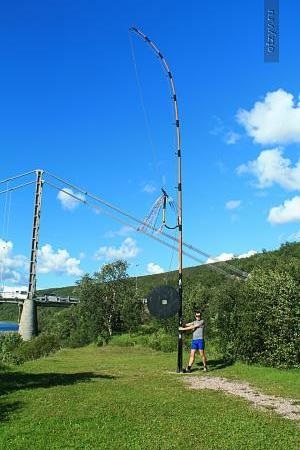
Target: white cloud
x=233, y=204
x=154, y=268
x=149, y=188
x=275, y=120
x=127, y=250
x=123, y=231
x=232, y=137
x=246, y=255
x=12, y=267
x=271, y=167
x=67, y=201
x=288, y=212
x=229, y=256
x=221, y=257
x=58, y=262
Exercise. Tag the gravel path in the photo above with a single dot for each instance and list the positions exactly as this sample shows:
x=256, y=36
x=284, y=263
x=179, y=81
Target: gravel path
x=287, y=408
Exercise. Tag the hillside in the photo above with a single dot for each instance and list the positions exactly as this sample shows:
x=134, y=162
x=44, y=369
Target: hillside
x=287, y=255
x=287, y=258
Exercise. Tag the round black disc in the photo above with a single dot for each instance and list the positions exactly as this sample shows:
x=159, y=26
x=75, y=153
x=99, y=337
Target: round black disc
x=163, y=302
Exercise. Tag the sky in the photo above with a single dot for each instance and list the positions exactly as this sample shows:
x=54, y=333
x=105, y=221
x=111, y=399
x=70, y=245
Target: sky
x=87, y=101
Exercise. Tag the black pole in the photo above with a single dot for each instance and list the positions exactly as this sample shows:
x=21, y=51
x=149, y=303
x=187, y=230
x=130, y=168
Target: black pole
x=179, y=194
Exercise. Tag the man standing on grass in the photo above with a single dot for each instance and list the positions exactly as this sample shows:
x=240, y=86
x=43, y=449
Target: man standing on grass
x=197, y=326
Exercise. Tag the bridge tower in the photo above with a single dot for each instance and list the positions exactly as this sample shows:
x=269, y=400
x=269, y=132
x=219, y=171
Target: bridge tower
x=28, y=322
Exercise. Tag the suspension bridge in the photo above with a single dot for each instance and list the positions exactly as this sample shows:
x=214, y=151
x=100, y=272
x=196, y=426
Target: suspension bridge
x=28, y=321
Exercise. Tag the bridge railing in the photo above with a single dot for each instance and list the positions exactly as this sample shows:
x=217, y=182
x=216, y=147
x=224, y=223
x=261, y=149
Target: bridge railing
x=45, y=300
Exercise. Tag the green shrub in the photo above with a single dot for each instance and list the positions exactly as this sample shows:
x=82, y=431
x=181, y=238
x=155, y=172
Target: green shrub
x=258, y=321
x=157, y=341
x=40, y=346
x=9, y=343
x=124, y=340
x=77, y=338
x=103, y=338
x=147, y=329
x=162, y=342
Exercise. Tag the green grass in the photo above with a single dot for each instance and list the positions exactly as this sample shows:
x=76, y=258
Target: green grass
x=131, y=398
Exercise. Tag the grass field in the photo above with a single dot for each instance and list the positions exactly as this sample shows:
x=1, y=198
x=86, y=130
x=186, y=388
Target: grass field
x=131, y=398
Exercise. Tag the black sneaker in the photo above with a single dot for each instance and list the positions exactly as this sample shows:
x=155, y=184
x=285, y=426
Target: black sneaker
x=187, y=370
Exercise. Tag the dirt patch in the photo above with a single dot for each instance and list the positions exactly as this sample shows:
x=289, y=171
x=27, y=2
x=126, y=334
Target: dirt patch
x=283, y=406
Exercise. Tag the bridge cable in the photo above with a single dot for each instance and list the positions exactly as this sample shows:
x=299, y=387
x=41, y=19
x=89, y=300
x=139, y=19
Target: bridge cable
x=238, y=272
x=14, y=188
x=152, y=236
x=17, y=176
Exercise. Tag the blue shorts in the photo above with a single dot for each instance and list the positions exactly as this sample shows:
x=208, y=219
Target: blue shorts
x=198, y=344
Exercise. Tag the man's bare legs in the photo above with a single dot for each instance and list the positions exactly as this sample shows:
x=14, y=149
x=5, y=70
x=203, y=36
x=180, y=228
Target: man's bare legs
x=204, y=359
x=192, y=358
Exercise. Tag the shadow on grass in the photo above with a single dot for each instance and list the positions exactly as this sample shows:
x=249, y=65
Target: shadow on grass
x=217, y=364
x=15, y=381
x=7, y=408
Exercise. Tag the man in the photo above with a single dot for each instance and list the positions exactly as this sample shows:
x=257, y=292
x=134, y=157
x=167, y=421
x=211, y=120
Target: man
x=197, y=326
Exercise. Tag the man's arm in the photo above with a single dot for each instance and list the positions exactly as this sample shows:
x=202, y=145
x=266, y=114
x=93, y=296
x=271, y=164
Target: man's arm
x=189, y=327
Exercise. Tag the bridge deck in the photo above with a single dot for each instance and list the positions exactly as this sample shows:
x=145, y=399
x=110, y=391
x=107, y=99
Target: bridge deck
x=44, y=301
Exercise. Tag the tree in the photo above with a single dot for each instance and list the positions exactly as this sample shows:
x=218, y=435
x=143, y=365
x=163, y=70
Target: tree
x=107, y=300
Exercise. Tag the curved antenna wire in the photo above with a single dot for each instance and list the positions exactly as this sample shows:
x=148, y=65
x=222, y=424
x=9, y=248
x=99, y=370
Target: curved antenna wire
x=145, y=114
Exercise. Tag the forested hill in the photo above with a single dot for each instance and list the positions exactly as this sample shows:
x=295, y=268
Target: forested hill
x=286, y=258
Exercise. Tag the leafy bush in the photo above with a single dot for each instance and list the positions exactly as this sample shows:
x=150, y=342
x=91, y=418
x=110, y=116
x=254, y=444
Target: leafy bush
x=103, y=338
x=9, y=343
x=258, y=321
x=77, y=338
x=147, y=329
x=40, y=346
x=162, y=341
x=124, y=340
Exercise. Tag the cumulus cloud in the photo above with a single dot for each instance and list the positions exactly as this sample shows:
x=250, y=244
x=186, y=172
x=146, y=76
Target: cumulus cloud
x=275, y=120
x=68, y=202
x=288, y=212
x=233, y=204
x=59, y=262
x=153, y=268
x=149, y=188
x=247, y=254
x=229, y=256
x=221, y=257
x=271, y=167
x=232, y=137
x=12, y=267
x=128, y=249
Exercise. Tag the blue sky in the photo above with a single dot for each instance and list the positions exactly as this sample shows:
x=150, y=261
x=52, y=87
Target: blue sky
x=70, y=104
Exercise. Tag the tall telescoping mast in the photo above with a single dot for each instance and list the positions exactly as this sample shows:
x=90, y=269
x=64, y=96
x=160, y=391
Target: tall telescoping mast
x=179, y=186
